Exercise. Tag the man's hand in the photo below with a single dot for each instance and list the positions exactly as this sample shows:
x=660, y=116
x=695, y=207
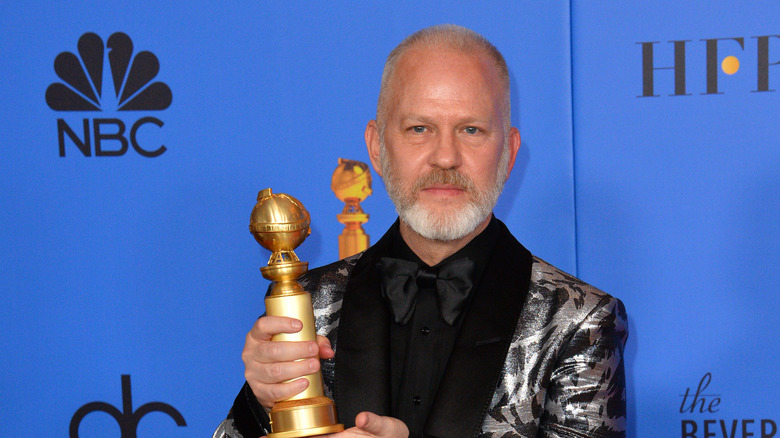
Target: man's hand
x=368, y=424
x=269, y=364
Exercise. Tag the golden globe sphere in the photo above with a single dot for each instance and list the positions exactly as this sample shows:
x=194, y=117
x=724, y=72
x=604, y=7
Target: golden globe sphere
x=279, y=222
x=351, y=180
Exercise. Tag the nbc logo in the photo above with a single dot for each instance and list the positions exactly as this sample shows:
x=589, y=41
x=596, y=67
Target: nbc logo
x=132, y=89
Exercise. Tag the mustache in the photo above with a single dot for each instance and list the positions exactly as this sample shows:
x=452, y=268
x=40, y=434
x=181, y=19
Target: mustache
x=443, y=176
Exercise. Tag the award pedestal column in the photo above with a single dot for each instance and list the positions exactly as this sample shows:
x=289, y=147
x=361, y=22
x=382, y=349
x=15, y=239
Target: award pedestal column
x=353, y=239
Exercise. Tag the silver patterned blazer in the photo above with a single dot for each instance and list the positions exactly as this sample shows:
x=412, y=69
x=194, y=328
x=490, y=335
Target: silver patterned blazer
x=539, y=354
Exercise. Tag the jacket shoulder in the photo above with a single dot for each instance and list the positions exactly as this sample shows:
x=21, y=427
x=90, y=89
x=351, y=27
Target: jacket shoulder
x=565, y=325
x=563, y=291
x=329, y=278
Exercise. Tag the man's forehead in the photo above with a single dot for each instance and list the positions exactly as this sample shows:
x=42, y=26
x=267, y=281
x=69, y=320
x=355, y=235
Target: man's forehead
x=445, y=75
x=430, y=64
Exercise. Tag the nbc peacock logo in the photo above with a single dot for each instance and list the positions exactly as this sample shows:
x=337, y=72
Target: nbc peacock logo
x=127, y=84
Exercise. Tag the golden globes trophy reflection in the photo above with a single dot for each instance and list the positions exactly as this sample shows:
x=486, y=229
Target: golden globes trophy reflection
x=280, y=224
x=351, y=183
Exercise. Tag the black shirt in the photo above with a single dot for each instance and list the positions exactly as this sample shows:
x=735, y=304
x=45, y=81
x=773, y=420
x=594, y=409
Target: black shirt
x=420, y=349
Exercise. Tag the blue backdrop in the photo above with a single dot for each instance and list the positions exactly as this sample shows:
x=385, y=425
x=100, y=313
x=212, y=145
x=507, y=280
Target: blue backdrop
x=129, y=279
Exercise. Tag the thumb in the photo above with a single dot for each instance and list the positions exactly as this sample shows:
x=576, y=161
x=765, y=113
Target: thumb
x=377, y=425
x=371, y=423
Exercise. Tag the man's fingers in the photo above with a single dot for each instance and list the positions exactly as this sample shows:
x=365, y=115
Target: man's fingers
x=377, y=425
x=326, y=352
x=267, y=326
x=278, y=391
x=369, y=422
x=282, y=371
x=280, y=351
x=271, y=366
x=257, y=357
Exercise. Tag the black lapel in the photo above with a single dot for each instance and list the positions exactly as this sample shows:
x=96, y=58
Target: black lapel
x=363, y=349
x=480, y=351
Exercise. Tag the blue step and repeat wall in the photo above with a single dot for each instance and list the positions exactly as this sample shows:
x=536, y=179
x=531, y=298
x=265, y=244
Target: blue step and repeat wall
x=135, y=137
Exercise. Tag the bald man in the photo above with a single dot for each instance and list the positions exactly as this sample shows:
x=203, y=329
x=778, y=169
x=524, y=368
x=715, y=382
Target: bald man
x=447, y=326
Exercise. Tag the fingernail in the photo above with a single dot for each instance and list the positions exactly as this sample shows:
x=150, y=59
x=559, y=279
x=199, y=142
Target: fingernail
x=313, y=349
x=314, y=364
x=297, y=325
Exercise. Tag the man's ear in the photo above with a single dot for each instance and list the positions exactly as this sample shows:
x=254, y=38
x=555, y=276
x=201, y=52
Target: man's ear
x=514, y=145
x=372, y=143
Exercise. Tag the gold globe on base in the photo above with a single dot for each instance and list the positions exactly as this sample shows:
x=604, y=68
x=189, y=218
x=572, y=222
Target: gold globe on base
x=351, y=182
x=280, y=224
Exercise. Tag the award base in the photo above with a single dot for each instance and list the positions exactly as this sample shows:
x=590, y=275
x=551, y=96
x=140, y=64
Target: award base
x=304, y=418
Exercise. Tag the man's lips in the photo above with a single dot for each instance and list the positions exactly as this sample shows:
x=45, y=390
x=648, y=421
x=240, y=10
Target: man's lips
x=443, y=190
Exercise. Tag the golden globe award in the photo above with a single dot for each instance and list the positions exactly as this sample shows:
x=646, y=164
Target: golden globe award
x=351, y=183
x=280, y=224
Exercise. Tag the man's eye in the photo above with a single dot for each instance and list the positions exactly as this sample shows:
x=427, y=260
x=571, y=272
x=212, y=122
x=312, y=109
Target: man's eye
x=471, y=130
x=418, y=129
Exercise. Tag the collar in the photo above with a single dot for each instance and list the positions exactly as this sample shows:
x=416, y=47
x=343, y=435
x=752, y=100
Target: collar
x=478, y=249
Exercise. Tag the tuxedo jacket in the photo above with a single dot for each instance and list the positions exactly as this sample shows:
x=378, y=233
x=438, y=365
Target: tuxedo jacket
x=539, y=352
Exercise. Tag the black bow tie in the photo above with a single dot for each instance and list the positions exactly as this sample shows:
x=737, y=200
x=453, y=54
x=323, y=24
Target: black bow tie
x=401, y=279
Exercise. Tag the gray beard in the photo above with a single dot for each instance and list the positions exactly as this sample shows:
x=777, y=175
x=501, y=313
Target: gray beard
x=439, y=225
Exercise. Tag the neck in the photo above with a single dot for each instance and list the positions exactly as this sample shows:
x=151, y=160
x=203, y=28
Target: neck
x=434, y=251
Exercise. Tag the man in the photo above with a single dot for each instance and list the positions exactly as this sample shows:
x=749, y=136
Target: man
x=447, y=326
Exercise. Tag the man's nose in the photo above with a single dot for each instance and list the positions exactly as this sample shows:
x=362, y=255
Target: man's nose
x=446, y=152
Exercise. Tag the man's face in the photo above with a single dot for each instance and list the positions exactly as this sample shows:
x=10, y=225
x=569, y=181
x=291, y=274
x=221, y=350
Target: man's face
x=444, y=154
